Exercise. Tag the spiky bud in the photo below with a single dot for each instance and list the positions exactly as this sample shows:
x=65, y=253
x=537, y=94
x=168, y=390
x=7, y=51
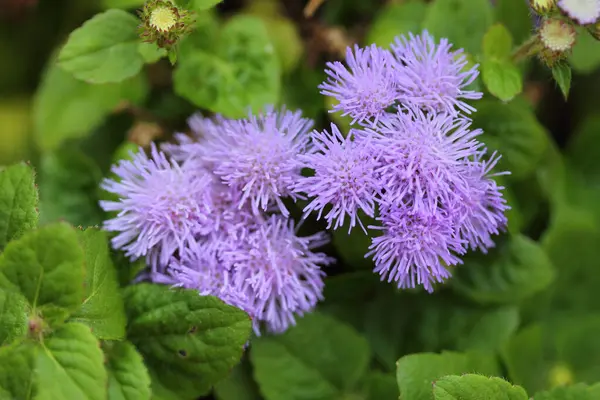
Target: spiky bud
x=164, y=23
x=558, y=38
x=542, y=6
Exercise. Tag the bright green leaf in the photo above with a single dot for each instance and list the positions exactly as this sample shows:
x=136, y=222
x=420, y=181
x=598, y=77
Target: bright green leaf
x=69, y=183
x=512, y=271
x=102, y=308
x=46, y=266
x=128, y=378
x=502, y=78
x=497, y=42
x=67, y=108
x=394, y=20
x=14, y=317
x=150, y=52
x=562, y=75
x=417, y=372
x=319, y=358
x=18, y=202
x=585, y=57
x=188, y=342
x=476, y=387
x=239, y=385
x=104, y=49
x=515, y=133
x=242, y=74
x=17, y=371
x=574, y=392
x=70, y=365
x=463, y=22
x=202, y=5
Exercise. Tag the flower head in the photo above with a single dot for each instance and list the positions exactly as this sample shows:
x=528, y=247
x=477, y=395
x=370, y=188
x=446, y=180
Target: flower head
x=583, y=11
x=344, y=177
x=433, y=77
x=415, y=246
x=279, y=271
x=164, y=23
x=480, y=209
x=161, y=205
x=364, y=88
x=557, y=35
x=260, y=157
x=422, y=155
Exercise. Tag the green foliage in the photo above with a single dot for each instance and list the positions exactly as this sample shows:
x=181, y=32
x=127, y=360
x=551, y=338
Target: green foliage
x=239, y=385
x=562, y=75
x=463, y=22
x=501, y=77
x=18, y=202
x=320, y=358
x=516, y=269
x=395, y=20
x=416, y=373
x=474, y=387
x=128, y=378
x=188, y=342
x=104, y=49
x=17, y=364
x=70, y=365
x=240, y=72
x=14, y=312
x=574, y=392
x=585, y=57
x=66, y=108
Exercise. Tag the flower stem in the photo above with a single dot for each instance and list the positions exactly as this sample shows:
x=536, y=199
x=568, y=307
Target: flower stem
x=530, y=47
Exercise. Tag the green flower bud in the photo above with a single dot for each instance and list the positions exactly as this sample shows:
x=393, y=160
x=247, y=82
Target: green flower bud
x=164, y=23
x=558, y=38
x=542, y=6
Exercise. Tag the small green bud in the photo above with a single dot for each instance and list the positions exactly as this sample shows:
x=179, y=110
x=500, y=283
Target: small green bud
x=558, y=38
x=542, y=6
x=164, y=23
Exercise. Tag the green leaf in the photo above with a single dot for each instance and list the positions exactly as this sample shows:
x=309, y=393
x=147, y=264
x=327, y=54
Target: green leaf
x=17, y=371
x=66, y=108
x=69, y=188
x=502, y=78
x=242, y=74
x=202, y=5
x=128, y=378
x=188, y=342
x=70, y=365
x=381, y=387
x=122, y=3
x=583, y=148
x=319, y=358
x=574, y=392
x=46, y=266
x=239, y=385
x=18, y=202
x=394, y=20
x=571, y=243
x=497, y=42
x=475, y=387
x=417, y=372
x=515, y=15
x=555, y=352
x=104, y=49
x=14, y=313
x=463, y=22
x=514, y=270
x=102, y=309
x=562, y=75
x=585, y=57
x=352, y=247
x=515, y=133
x=150, y=52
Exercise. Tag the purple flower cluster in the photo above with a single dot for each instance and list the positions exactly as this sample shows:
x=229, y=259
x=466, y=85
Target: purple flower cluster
x=411, y=160
x=207, y=213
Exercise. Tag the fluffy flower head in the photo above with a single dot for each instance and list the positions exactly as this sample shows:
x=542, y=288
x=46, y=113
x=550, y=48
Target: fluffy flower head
x=582, y=11
x=279, y=271
x=432, y=76
x=344, y=177
x=160, y=205
x=365, y=87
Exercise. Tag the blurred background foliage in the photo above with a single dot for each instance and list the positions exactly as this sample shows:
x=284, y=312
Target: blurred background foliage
x=532, y=301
